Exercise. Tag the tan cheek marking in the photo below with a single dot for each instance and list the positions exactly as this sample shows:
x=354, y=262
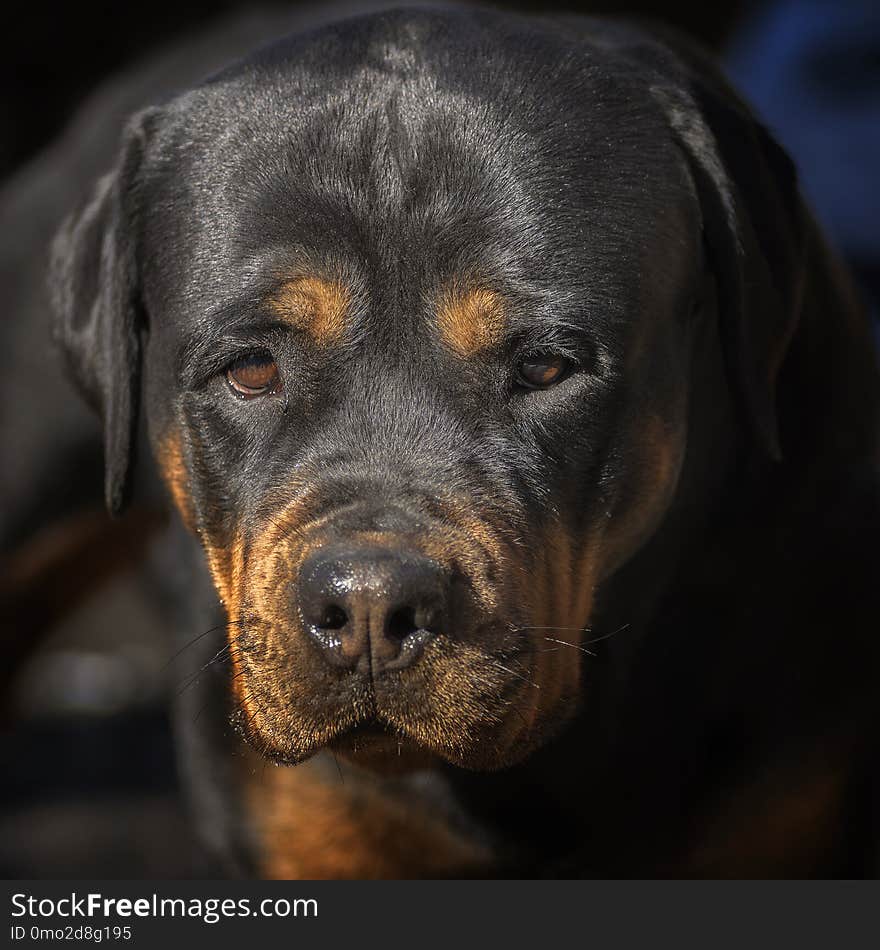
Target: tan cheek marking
x=558, y=586
x=227, y=569
x=470, y=320
x=172, y=465
x=317, y=306
x=584, y=583
x=278, y=546
x=564, y=582
x=564, y=579
x=642, y=505
x=226, y=564
x=563, y=586
x=554, y=585
x=254, y=588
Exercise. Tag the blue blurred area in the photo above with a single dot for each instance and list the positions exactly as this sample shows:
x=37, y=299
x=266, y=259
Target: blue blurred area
x=812, y=70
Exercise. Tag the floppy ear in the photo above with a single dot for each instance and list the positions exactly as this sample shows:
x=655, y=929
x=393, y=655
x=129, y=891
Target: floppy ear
x=93, y=281
x=754, y=225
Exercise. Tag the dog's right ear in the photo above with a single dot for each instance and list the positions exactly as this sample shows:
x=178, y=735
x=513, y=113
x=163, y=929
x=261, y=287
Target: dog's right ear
x=754, y=222
x=95, y=294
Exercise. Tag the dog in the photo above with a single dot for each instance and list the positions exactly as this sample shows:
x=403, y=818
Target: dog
x=523, y=434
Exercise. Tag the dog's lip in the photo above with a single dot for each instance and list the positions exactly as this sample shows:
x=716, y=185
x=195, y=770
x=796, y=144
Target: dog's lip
x=365, y=733
x=377, y=747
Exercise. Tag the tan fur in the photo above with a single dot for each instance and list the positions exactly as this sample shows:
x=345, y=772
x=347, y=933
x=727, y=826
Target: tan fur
x=320, y=307
x=172, y=466
x=470, y=319
x=640, y=506
x=316, y=823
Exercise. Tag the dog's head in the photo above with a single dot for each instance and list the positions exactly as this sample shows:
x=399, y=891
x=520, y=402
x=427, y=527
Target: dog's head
x=411, y=302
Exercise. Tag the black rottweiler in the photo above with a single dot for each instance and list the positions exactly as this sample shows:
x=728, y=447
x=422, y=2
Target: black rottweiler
x=529, y=433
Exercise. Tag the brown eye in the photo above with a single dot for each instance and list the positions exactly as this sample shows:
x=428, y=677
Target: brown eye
x=541, y=372
x=254, y=375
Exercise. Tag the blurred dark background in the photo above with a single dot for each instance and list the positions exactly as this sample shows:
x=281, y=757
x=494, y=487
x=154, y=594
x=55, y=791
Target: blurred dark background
x=89, y=785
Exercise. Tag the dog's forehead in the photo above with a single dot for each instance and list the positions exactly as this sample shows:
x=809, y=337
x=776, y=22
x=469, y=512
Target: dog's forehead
x=560, y=187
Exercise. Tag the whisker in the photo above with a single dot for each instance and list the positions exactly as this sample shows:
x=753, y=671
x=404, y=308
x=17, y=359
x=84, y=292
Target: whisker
x=607, y=635
x=201, y=636
x=525, y=679
x=192, y=678
x=571, y=629
x=574, y=646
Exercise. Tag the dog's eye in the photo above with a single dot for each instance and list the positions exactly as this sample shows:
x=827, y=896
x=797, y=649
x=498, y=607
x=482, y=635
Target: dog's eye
x=254, y=375
x=540, y=372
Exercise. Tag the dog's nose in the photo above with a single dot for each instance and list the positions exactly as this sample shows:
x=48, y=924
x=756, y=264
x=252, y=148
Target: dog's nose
x=372, y=609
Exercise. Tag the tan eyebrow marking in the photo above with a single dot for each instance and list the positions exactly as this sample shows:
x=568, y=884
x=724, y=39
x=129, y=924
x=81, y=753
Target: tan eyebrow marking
x=315, y=305
x=470, y=319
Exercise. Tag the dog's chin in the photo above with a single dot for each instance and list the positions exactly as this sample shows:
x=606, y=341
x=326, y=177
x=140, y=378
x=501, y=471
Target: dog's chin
x=378, y=747
x=373, y=746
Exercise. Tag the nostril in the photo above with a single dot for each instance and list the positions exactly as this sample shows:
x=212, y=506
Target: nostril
x=408, y=620
x=334, y=618
x=401, y=623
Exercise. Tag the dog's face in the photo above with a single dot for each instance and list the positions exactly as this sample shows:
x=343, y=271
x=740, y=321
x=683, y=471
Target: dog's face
x=416, y=372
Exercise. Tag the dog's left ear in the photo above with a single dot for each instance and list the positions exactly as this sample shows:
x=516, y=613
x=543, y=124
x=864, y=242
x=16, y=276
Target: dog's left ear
x=94, y=288
x=754, y=224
